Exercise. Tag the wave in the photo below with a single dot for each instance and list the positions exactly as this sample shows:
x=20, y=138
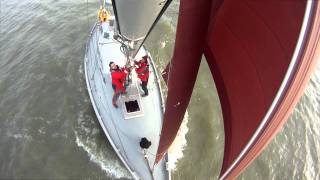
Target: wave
x=87, y=138
x=176, y=149
x=112, y=168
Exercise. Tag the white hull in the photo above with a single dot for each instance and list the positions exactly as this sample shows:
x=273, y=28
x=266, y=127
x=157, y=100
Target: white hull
x=124, y=130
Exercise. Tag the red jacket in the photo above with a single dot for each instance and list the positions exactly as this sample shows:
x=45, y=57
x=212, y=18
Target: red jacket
x=118, y=79
x=142, y=70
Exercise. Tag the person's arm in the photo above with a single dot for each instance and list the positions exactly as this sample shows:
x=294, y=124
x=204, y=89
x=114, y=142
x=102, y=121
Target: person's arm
x=118, y=75
x=141, y=69
x=125, y=70
x=136, y=62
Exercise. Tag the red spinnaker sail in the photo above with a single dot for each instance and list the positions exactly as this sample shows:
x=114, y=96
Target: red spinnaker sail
x=184, y=67
x=250, y=47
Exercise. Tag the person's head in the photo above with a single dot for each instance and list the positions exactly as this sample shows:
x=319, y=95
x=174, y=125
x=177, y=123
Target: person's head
x=144, y=58
x=100, y=7
x=113, y=65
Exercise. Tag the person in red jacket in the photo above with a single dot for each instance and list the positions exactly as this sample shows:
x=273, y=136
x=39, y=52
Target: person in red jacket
x=143, y=73
x=118, y=79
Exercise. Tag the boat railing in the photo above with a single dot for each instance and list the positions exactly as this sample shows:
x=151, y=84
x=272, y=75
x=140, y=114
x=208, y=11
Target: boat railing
x=154, y=66
x=95, y=64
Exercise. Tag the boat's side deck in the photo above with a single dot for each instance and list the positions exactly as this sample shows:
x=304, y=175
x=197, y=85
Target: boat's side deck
x=125, y=134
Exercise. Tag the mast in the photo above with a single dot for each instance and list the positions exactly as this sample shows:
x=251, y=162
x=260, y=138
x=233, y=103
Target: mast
x=135, y=20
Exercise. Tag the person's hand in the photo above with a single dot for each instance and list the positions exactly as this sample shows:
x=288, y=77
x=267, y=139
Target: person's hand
x=127, y=66
x=126, y=70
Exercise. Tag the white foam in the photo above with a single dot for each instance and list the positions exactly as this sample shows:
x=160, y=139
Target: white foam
x=22, y=136
x=112, y=168
x=80, y=70
x=163, y=44
x=176, y=149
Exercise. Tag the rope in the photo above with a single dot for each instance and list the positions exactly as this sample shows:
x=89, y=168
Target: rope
x=170, y=66
x=147, y=161
x=88, y=15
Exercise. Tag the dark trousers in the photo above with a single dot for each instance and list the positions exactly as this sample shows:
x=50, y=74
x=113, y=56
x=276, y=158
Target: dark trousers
x=144, y=87
x=115, y=95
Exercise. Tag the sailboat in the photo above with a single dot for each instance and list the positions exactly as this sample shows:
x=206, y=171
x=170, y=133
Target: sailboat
x=136, y=118
x=260, y=53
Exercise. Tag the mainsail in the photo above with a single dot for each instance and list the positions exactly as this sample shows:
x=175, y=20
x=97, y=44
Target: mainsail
x=136, y=18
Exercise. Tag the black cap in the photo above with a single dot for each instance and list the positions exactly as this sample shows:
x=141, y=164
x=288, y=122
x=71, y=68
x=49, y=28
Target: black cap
x=145, y=143
x=110, y=63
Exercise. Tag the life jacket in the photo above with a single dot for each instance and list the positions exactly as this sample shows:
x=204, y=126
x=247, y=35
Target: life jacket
x=118, y=79
x=103, y=15
x=142, y=70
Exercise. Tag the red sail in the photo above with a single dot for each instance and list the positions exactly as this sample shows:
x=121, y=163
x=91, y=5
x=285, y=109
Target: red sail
x=191, y=31
x=249, y=46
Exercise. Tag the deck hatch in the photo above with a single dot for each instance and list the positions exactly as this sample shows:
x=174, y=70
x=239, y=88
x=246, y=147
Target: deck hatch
x=132, y=106
x=131, y=102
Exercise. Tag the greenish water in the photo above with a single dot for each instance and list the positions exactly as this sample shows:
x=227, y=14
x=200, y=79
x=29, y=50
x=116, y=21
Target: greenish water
x=48, y=129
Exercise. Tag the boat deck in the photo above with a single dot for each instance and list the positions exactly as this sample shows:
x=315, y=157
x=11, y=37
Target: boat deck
x=124, y=130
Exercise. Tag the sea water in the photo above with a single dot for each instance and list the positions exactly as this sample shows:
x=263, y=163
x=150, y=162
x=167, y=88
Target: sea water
x=48, y=128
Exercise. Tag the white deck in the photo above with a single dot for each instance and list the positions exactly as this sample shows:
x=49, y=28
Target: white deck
x=124, y=133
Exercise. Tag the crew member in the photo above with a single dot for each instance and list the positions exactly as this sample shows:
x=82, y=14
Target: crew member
x=118, y=79
x=143, y=73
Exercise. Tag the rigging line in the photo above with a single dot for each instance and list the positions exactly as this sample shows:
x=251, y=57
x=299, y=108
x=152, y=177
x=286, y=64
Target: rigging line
x=102, y=43
x=114, y=6
x=95, y=65
x=164, y=8
x=148, y=164
x=152, y=154
x=88, y=16
x=169, y=70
